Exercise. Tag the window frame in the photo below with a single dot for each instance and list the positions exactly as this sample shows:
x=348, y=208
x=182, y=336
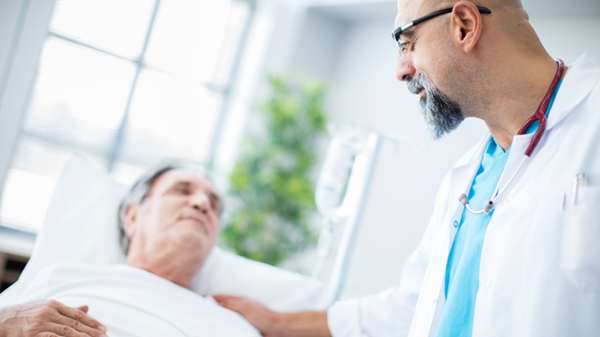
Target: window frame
x=28, y=37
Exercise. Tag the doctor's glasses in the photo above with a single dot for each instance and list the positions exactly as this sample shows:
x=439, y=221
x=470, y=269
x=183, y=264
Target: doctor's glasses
x=400, y=30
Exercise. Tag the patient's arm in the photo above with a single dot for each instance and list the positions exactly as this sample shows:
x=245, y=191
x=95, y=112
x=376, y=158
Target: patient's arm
x=272, y=324
x=48, y=318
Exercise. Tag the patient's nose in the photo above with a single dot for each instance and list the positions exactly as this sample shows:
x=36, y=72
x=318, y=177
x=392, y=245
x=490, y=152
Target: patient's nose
x=200, y=201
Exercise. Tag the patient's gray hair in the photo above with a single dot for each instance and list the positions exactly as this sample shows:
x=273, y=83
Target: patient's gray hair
x=142, y=188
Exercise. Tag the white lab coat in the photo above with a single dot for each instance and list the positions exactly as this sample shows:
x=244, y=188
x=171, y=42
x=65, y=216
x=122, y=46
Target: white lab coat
x=540, y=263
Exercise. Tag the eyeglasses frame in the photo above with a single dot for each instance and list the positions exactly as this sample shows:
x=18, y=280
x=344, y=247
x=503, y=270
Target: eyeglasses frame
x=399, y=30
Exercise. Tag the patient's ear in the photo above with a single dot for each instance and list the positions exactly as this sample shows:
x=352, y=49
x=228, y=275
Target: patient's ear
x=131, y=217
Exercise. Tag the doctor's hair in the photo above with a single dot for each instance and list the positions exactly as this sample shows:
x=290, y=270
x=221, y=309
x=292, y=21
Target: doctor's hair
x=142, y=188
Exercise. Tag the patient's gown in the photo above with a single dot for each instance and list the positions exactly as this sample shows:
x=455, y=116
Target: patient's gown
x=133, y=302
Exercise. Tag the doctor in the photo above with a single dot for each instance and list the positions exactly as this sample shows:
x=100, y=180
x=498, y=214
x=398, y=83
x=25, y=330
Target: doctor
x=528, y=262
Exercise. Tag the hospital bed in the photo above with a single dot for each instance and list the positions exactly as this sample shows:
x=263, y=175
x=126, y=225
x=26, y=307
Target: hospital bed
x=80, y=227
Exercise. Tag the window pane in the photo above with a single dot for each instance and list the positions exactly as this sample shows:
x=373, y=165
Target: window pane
x=118, y=26
x=126, y=174
x=30, y=182
x=187, y=37
x=25, y=200
x=169, y=117
x=238, y=17
x=80, y=96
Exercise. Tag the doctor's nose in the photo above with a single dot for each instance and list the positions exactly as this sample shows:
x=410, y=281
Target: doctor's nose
x=404, y=67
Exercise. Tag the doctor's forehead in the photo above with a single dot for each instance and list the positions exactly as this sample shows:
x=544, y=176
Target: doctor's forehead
x=409, y=10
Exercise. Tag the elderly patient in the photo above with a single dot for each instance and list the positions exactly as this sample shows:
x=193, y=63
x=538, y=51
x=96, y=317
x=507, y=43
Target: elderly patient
x=169, y=223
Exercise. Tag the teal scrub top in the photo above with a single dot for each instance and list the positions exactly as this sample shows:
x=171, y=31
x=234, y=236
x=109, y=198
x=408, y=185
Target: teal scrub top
x=462, y=272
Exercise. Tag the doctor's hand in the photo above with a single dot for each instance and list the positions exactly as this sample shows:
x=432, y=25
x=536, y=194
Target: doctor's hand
x=273, y=324
x=257, y=314
x=48, y=318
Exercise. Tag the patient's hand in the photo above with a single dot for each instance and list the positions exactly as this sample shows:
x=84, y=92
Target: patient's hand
x=48, y=319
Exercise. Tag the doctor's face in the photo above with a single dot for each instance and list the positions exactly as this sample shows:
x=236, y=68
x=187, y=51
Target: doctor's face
x=181, y=213
x=423, y=63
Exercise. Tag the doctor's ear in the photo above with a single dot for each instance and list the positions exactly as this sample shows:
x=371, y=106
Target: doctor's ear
x=467, y=25
x=131, y=219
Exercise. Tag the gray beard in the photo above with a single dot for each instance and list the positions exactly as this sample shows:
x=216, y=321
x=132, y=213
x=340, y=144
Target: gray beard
x=442, y=114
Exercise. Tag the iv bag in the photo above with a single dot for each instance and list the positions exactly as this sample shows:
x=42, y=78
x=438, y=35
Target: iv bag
x=332, y=195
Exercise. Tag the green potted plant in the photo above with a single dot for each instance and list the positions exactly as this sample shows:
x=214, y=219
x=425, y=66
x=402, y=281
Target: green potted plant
x=271, y=181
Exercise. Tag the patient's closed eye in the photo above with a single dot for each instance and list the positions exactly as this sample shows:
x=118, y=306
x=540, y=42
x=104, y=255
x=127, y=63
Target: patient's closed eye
x=182, y=188
x=184, y=191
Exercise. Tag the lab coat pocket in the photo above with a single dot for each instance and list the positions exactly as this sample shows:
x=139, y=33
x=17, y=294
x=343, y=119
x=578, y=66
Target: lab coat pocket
x=580, y=241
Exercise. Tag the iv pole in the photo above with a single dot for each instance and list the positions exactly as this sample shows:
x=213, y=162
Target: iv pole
x=361, y=179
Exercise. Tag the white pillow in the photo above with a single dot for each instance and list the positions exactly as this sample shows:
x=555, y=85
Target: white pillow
x=81, y=227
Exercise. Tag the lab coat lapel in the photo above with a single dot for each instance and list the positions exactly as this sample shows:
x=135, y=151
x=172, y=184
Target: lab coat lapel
x=583, y=74
x=517, y=153
x=461, y=179
x=427, y=305
x=578, y=83
x=431, y=300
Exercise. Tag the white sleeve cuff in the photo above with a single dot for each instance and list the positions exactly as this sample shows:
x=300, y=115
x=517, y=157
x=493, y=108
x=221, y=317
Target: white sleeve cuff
x=343, y=319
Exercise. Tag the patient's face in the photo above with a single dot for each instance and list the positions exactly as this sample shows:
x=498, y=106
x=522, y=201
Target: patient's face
x=181, y=213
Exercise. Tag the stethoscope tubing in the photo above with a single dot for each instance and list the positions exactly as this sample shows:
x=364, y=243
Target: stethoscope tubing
x=539, y=115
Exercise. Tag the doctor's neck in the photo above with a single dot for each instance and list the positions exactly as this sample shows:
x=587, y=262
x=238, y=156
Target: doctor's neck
x=513, y=101
x=506, y=75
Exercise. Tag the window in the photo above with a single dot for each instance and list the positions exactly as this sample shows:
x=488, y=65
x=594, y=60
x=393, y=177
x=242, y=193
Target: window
x=126, y=83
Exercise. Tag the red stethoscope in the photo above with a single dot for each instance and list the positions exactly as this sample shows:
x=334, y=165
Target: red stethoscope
x=539, y=115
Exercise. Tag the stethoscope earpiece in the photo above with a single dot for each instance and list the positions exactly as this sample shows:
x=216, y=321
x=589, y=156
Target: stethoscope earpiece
x=489, y=207
x=463, y=199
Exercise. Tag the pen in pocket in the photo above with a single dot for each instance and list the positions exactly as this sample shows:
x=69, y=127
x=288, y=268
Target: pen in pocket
x=580, y=181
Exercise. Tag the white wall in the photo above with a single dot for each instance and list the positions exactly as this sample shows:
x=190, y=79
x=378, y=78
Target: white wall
x=569, y=36
x=23, y=27
x=357, y=60
x=11, y=17
x=365, y=92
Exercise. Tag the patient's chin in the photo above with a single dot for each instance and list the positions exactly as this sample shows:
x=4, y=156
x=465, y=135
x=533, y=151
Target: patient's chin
x=191, y=239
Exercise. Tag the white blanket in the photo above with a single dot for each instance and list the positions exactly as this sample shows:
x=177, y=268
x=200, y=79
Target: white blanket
x=133, y=302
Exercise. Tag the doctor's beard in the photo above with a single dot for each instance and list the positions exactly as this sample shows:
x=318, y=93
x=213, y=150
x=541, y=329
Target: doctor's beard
x=442, y=114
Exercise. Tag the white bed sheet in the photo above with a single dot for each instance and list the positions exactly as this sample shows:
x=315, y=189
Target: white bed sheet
x=133, y=302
